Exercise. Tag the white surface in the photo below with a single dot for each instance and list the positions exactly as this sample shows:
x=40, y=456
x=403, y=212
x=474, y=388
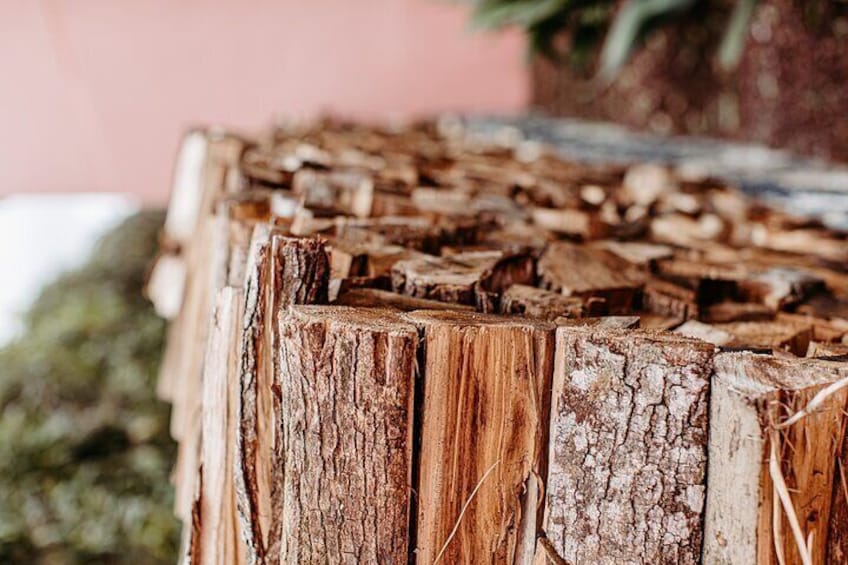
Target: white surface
x=43, y=235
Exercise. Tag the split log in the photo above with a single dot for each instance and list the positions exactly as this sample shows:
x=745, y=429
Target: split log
x=474, y=278
x=281, y=271
x=580, y=271
x=216, y=539
x=827, y=350
x=776, y=457
x=628, y=439
x=704, y=332
x=539, y=303
x=787, y=335
x=636, y=252
x=727, y=311
x=346, y=390
x=482, y=439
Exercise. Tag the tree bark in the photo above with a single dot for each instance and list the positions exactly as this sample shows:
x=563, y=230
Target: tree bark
x=280, y=271
x=628, y=437
x=346, y=388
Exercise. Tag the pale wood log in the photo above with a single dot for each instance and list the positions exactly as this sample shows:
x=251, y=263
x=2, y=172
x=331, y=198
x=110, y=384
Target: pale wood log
x=651, y=321
x=704, y=332
x=214, y=533
x=833, y=330
x=571, y=222
x=824, y=350
x=419, y=233
x=669, y=299
x=482, y=438
x=779, y=287
x=207, y=259
x=636, y=252
x=374, y=261
x=752, y=395
x=346, y=387
x=348, y=191
x=626, y=474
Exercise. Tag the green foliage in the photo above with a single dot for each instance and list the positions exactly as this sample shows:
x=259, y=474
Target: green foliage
x=543, y=20
x=622, y=25
x=85, y=453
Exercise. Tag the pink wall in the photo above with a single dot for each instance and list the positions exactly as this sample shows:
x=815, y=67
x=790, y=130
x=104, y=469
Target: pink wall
x=95, y=93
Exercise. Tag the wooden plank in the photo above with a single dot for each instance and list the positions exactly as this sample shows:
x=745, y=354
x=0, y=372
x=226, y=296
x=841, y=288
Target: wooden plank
x=627, y=461
x=346, y=386
x=482, y=438
x=753, y=397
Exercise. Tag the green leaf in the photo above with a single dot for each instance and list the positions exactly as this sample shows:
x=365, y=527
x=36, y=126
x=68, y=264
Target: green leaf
x=628, y=26
x=733, y=42
x=525, y=13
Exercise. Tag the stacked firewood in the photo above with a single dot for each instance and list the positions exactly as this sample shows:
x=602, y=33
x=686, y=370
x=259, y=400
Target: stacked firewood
x=405, y=345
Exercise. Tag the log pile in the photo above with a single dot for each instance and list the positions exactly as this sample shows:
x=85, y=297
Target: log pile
x=406, y=346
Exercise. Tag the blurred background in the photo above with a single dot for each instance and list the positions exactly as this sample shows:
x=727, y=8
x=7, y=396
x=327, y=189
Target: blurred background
x=96, y=95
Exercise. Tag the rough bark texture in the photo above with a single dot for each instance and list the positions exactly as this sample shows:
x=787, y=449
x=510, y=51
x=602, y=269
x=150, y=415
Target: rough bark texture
x=346, y=381
x=752, y=395
x=339, y=455
x=627, y=447
x=280, y=272
x=482, y=438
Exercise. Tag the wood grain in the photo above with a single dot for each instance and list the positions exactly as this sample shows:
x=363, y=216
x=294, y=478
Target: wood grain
x=482, y=436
